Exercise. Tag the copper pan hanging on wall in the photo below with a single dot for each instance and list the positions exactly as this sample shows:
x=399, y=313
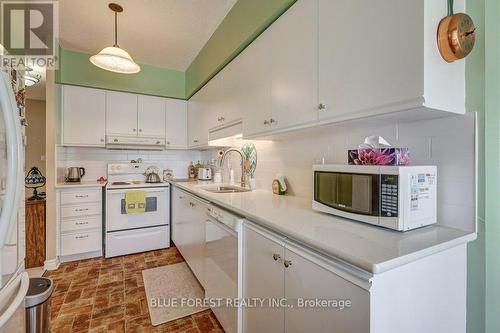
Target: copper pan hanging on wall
x=456, y=35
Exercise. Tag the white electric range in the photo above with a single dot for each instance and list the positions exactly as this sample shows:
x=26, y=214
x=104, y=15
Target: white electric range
x=133, y=233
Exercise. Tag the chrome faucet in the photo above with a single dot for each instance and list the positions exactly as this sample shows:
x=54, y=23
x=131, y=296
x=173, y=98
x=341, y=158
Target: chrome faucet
x=223, y=158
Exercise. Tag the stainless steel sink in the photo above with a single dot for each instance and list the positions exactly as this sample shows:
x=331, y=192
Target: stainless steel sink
x=225, y=189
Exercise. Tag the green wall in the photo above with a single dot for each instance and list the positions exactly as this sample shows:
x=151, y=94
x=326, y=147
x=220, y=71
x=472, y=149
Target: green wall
x=244, y=22
x=475, y=102
x=492, y=160
x=76, y=69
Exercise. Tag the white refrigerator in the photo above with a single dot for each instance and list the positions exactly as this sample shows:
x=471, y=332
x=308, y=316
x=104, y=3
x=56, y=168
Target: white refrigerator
x=14, y=280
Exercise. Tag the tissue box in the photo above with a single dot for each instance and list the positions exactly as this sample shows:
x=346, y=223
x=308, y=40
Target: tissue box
x=379, y=156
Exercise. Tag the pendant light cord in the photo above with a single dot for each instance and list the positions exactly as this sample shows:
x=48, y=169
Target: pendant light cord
x=116, y=29
x=450, y=7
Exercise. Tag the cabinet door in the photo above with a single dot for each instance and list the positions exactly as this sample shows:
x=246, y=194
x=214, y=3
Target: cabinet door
x=234, y=92
x=180, y=218
x=307, y=278
x=370, y=55
x=197, y=238
x=294, y=61
x=176, y=123
x=151, y=116
x=263, y=279
x=121, y=113
x=255, y=74
x=197, y=128
x=84, y=116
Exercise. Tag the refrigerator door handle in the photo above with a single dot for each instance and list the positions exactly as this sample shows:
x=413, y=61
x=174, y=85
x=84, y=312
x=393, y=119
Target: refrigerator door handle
x=18, y=300
x=14, y=158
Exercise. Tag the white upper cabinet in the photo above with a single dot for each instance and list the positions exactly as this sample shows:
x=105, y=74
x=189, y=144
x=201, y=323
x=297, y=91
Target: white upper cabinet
x=83, y=116
x=176, y=123
x=121, y=113
x=255, y=102
x=198, y=123
x=382, y=57
x=151, y=116
x=294, y=63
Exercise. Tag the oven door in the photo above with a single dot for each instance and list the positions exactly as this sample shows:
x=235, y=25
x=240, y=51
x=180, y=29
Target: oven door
x=157, y=209
x=348, y=192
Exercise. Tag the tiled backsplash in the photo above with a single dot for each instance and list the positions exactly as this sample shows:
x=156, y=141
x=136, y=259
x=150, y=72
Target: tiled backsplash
x=95, y=160
x=448, y=143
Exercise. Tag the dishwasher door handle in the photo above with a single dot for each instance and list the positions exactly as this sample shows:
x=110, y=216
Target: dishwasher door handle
x=222, y=226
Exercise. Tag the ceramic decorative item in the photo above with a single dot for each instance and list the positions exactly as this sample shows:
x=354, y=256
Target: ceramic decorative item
x=250, y=153
x=279, y=185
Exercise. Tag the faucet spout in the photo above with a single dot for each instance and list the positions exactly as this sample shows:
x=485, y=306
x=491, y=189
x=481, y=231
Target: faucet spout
x=223, y=159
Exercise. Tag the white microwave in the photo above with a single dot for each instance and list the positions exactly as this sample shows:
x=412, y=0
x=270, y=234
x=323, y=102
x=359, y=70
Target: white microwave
x=396, y=197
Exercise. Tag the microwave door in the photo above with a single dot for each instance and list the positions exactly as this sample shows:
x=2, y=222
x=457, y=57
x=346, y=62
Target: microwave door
x=361, y=196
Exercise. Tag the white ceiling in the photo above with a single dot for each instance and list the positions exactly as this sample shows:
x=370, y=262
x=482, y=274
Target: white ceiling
x=165, y=33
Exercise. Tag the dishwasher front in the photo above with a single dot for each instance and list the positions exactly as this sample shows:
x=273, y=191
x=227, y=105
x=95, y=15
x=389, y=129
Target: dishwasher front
x=223, y=266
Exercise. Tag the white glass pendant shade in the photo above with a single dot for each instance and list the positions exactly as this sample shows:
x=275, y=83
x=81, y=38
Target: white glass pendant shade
x=116, y=60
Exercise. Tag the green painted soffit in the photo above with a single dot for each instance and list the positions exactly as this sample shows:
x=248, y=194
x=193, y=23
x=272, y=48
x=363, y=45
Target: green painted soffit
x=244, y=22
x=76, y=69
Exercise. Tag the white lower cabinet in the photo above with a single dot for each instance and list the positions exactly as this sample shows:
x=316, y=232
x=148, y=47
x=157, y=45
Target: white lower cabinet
x=275, y=270
x=188, y=230
x=79, y=214
x=307, y=278
x=304, y=291
x=263, y=278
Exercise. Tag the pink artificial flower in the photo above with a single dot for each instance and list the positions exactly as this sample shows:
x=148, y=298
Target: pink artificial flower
x=374, y=157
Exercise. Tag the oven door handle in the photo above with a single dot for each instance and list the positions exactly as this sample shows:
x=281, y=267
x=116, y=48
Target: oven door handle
x=112, y=192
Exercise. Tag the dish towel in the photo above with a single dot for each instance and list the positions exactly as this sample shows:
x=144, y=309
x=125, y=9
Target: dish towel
x=135, y=202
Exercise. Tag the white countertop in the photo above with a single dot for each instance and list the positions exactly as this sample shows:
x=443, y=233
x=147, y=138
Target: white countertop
x=81, y=184
x=370, y=248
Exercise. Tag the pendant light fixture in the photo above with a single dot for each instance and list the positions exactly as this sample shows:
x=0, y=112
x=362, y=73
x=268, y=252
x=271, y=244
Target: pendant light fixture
x=30, y=77
x=114, y=58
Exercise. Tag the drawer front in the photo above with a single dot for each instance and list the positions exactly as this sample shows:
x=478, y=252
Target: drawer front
x=81, y=242
x=82, y=223
x=80, y=196
x=81, y=210
x=119, y=243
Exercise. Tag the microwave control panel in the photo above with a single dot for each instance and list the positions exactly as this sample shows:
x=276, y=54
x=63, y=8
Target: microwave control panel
x=389, y=195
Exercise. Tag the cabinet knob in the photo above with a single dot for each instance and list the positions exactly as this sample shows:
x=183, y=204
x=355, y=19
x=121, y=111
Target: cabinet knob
x=276, y=257
x=272, y=121
x=287, y=263
x=321, y=106
x=168, y=142
x=134, y=130
x=195, y=141
x=266, y=122
x=222, y=118
x=115, y=140
x=102, y=140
